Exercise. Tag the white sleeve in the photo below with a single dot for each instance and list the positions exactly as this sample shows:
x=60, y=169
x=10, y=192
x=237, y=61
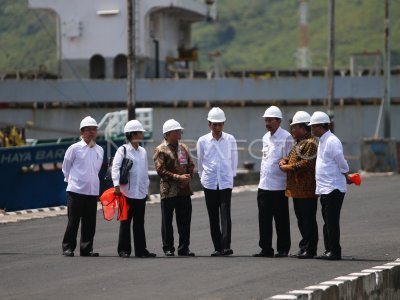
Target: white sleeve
x=200, y=154
x=337, y=151
x=288, y=145
x=146, y=168
x=116, y=165
x=68, y=161
x=234, y=156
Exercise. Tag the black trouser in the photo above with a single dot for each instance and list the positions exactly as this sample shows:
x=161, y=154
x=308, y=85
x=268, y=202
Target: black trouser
x=81, y=208
x=273, y=205
x=183, y=212
x=331, y=205
x=136, y=212
x=306, y=211
x=219, y=203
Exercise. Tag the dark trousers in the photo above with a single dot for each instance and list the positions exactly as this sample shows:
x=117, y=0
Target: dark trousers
x=81, y=208
x=219, y=204
x=306, y=211
x=331, y=205
x=136, y=212
x=273, y=205
x=183, y=212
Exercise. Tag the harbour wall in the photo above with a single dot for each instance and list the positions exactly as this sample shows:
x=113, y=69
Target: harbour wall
x=352, y=124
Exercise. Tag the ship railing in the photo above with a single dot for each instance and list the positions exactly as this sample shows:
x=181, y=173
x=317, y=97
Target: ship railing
x=112, y=124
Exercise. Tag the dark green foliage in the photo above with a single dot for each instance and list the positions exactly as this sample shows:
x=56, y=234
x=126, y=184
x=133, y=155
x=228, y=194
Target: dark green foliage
x=27, y=38
x=267, y=32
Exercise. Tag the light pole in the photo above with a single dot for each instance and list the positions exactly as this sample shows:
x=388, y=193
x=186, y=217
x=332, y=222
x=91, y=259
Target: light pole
x=331, y=60
x=131, y=59
x=387, y=72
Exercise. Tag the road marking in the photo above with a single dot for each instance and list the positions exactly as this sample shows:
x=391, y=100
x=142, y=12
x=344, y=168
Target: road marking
x=48, y=212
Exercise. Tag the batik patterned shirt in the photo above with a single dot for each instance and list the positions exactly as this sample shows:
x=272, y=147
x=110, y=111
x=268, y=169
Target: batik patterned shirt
x=171, y=161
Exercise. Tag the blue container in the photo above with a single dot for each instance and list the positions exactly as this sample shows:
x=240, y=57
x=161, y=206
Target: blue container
x=31, y=176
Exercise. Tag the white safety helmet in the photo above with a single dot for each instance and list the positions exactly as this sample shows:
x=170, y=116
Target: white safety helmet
x=216, y=115
x=273, y=112
x=88, y=121
x=133, y=125
x=319, y=117
x=301, y=117
x=171, y=125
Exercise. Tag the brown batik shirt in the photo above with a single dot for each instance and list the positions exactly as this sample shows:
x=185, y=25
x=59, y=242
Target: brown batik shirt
x=301, y=176
x=172, y=161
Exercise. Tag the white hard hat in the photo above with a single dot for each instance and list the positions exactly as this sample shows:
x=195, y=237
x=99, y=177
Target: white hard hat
x=216, y=115
x=273, y=112
x=301, y=117
x=171, y=125
x=133, y=125
x=319, y=117
x=88, y=121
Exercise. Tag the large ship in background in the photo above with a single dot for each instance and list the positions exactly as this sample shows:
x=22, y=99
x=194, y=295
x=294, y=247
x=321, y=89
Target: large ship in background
x=92, y=42
x=92, y=47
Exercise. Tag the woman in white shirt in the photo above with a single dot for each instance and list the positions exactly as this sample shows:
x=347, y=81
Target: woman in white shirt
x=135, y=191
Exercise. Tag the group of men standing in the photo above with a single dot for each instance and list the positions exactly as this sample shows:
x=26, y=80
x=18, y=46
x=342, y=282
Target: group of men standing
x=293, y=165
x=300, y=166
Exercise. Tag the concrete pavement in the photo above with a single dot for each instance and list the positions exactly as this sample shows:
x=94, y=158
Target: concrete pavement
x=31, y=264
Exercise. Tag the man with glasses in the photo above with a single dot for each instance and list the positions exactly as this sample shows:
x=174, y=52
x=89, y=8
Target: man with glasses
x=271, y=199
x=175, y=168
x=217, y=164
x=81, y=166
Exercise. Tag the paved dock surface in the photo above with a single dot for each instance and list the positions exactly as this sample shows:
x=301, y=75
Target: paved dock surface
x=31, y=264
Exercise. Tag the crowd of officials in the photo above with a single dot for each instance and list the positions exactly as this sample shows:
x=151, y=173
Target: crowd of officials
x=305, y=164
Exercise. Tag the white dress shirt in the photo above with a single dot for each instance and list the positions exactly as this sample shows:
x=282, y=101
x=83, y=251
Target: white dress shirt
x=81, y=168
x=138, y=184
x=275, y=147
x=331, y=165
x=217, y=161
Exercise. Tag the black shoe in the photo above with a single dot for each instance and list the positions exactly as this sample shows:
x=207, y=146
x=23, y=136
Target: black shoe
x=322, y=256
x=332, y=256
x=329, y=256
x=216, y=253
x=297, y=254
x=90, y=254
x=281, y=254
x=146, y=254
x=227, y=252
x=124, y=254
x=186, y=253
x=169, y=253
x=306, y=255
x=68, y=253
x=264, y=254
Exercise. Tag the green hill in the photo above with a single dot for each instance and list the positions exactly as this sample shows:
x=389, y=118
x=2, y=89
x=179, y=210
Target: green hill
x=251, y=34
x=27, y=37
x=265, y=33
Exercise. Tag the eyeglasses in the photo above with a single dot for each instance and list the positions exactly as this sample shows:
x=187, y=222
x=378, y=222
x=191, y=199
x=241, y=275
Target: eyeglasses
x=90, y=129
x=270, y=120
x=177, y=131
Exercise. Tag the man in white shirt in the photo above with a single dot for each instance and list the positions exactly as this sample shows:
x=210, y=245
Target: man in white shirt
x=271, y=199
x=217, y=165
x=81, y=166
x=331, y=177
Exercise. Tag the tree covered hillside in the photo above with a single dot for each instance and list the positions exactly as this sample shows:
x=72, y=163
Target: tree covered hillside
x=249, y=33
x=27, y=37
x=265, y=33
